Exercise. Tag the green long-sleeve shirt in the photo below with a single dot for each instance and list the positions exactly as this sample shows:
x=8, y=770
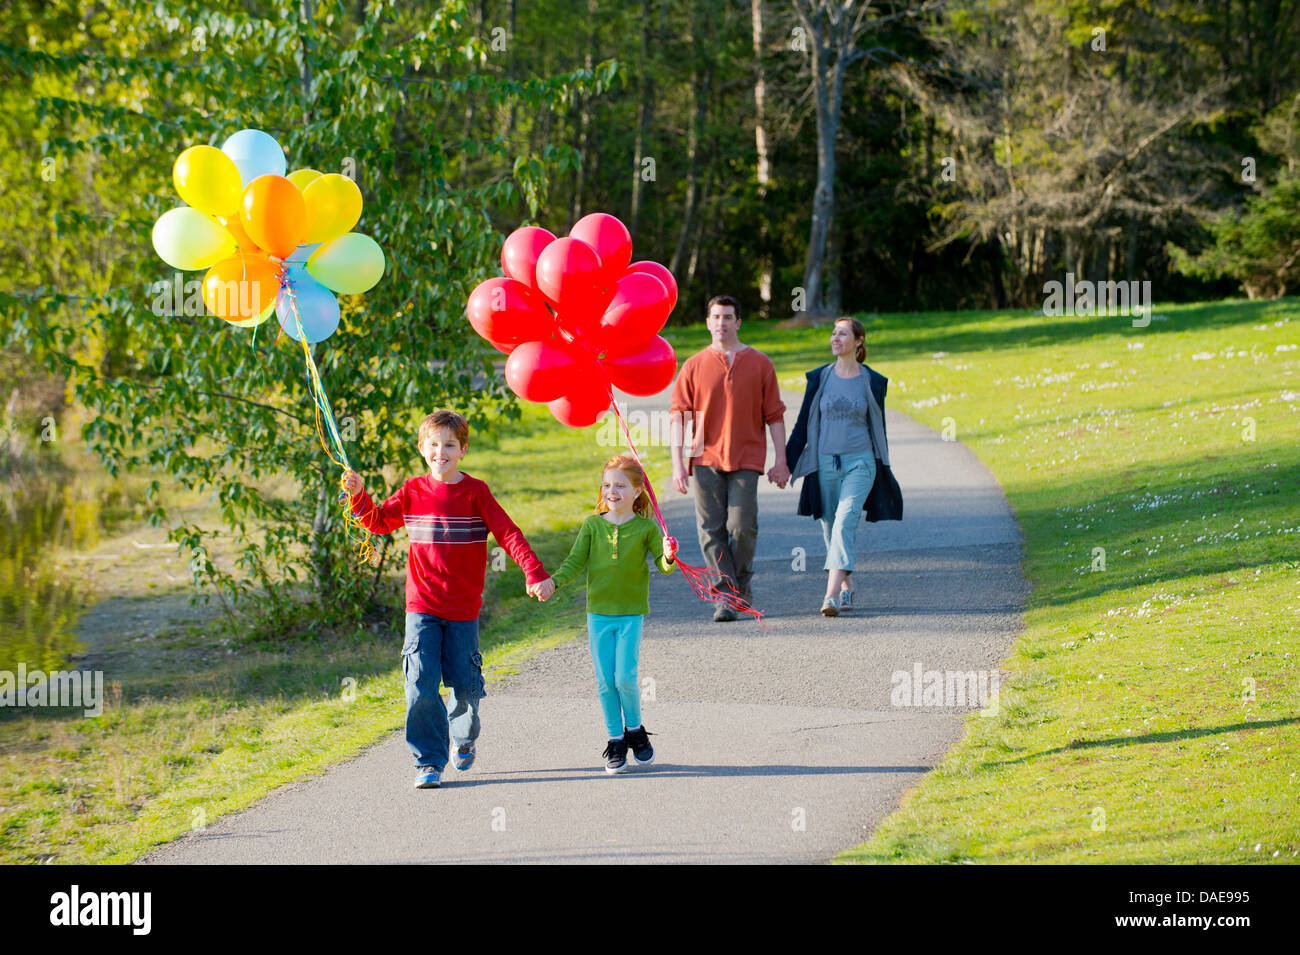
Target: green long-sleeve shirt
x=618, y=578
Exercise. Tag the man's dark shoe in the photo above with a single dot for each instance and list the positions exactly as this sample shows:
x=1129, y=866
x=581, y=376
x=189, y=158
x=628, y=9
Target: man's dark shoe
x=722, y=613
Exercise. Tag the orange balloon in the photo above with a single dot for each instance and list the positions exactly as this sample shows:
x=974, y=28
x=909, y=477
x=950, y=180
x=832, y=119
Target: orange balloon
x=241, y=287
x=274, y=214
x=236, y=228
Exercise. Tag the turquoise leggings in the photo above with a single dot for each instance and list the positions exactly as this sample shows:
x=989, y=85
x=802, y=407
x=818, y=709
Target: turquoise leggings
x=615, y=652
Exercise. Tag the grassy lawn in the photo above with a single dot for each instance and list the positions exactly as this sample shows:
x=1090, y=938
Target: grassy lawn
x=1151, y=707
x=199, y=722
x=1149, y=712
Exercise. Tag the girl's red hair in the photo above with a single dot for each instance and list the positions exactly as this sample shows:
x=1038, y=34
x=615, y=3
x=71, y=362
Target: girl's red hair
x=627, y=464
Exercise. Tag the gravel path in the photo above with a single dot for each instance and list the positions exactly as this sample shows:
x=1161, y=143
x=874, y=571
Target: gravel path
x=777, y=745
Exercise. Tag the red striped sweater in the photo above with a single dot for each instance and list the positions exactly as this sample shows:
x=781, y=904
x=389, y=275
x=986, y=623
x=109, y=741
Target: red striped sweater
x=448, y=526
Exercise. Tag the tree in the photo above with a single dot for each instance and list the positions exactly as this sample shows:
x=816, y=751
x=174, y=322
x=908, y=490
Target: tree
x=833, y=33
x=381, y=97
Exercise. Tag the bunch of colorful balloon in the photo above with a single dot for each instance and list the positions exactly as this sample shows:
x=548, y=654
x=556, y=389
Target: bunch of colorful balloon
x=576, y=315
x=272, y=243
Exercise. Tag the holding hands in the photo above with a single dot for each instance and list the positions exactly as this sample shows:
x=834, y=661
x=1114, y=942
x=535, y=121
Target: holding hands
x=542, y=590
x=779, y=474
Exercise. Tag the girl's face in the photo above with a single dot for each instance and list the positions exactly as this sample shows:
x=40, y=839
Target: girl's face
x=617, y=491
x=842, y=340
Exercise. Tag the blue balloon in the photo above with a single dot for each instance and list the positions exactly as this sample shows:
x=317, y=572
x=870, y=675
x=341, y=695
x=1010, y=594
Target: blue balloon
x=303, y=252
x=318, y=308
x=255, y=154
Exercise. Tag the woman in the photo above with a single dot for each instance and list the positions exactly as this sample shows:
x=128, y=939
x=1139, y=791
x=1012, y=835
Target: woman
x=841, y=451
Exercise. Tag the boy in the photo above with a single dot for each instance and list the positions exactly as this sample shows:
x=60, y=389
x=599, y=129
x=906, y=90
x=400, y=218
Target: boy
x=448, y=516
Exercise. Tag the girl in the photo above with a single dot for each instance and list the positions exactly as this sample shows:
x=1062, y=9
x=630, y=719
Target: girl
x=613, y=545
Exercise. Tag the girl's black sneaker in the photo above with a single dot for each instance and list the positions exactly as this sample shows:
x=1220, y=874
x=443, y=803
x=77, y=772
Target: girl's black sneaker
x=616, y=756
x=638, y=740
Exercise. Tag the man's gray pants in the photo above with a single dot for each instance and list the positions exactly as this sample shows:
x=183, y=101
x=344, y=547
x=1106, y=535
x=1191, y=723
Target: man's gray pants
x=726, y=513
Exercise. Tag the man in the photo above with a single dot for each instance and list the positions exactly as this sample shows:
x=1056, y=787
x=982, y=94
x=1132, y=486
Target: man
x=729, y=392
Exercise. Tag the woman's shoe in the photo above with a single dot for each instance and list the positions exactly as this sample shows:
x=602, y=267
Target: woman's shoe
x=846, y=600
x=830, y=608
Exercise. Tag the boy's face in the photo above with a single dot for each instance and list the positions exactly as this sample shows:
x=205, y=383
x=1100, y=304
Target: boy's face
x=442, y=452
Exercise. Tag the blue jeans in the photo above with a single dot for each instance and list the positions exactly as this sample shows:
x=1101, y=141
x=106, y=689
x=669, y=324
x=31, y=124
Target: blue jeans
x=435, y=651
x=845, y=481
x=615, y=653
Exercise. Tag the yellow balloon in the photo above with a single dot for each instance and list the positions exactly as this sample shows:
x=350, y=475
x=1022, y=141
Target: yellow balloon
x=208, y=180
x=302, y=178
x=333, y=207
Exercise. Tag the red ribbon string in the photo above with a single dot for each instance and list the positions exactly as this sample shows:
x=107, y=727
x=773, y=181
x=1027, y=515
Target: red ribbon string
x=702, y=580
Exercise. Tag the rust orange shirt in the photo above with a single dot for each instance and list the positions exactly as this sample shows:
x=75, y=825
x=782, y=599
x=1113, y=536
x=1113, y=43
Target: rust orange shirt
x=730, y=406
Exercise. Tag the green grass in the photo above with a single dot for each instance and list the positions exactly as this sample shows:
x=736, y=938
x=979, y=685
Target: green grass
x=1123, y=734
x=1150, y=710
x=196, y=726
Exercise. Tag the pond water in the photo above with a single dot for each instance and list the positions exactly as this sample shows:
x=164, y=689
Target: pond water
x=40, y=603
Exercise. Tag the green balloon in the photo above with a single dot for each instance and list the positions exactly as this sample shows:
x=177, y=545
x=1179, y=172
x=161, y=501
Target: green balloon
x=186, y=239
x=351, y=264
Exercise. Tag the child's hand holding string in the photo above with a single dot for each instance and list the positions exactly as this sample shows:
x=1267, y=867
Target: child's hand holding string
x=670, y=549
x=352, y=483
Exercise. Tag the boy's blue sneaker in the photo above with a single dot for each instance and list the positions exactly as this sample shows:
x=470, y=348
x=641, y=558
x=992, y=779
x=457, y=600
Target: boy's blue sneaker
x=463, y=758
x=426, y=777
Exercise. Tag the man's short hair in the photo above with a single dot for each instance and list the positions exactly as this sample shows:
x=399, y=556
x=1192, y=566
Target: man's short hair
x=723, y=300
x=450, y=420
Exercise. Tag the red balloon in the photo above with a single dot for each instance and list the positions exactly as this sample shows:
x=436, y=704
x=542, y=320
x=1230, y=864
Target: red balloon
x=636, y=313
x=568, y=271
x=541, y=371
x=610, y=239
x=647, y=371
x=585, y=404
x=507, y=313
x=520, y=252
x=662, y=274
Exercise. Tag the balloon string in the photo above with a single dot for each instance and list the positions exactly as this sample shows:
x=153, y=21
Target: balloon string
x=702, y=580
x=359, y=535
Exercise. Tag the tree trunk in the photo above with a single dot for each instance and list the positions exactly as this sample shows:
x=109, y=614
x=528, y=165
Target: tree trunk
x=764, y=162
x=644, y=110
x=692, y=152
x=823, y=207
x=307, y=10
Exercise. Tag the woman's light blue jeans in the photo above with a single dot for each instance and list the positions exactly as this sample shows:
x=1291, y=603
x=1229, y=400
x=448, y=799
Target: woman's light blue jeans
x=845, y=481
x=615, y=652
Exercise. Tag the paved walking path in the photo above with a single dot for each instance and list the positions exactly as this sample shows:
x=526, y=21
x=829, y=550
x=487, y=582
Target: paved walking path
x=776, y=745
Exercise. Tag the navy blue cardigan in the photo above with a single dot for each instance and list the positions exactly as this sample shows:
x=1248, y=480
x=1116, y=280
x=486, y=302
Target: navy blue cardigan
x=885, y=500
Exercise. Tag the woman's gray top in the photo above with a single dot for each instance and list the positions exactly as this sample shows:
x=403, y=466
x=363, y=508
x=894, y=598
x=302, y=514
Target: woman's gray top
x=844, y=422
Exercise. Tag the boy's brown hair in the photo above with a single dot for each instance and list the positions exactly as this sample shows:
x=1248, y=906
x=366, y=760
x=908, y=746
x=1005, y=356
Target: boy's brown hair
x=453, y=422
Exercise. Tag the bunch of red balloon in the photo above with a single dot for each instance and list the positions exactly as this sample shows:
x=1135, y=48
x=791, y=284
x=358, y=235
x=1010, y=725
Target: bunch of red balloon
x=576, y=315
